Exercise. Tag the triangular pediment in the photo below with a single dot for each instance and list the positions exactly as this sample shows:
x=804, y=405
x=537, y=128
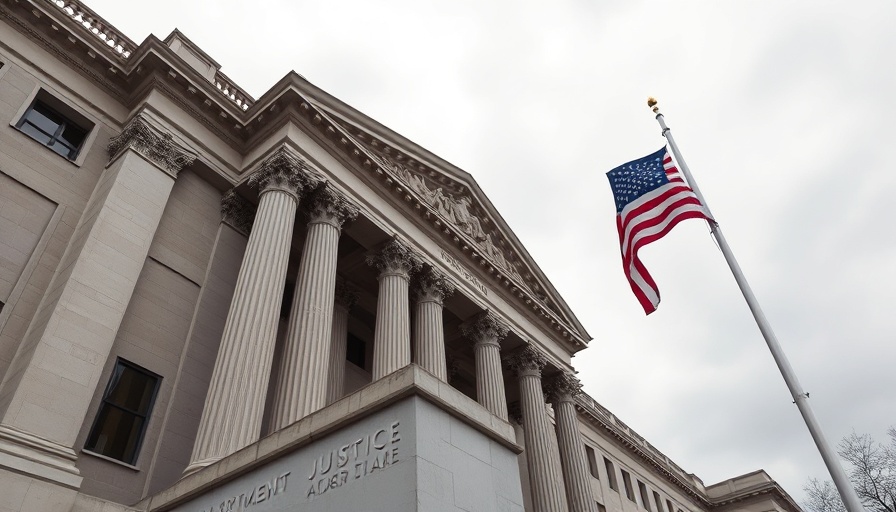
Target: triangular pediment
x=451, y=199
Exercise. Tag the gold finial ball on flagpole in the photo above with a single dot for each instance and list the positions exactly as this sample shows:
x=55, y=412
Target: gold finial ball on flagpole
x=651, y=102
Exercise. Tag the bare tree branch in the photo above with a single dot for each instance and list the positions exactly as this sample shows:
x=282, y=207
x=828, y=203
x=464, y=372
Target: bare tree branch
x=872, y=471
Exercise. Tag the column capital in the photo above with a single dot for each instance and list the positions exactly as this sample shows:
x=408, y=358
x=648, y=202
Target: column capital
x=151, y=142
x=395, y=258
x=485, y=328
x=345, y=296
x=432, y=285
x=527, y=360
x=237, y=212
x=325, y=204
x=283, y=171
x=563, y=387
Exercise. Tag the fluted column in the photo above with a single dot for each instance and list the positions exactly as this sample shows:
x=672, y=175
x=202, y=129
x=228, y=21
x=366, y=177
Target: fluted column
x=392, y=334
x=345, y=299
x=486, y=332
x=306, y=355
x=234, y=405
x=562, y=391
x=547, y=494
x=432, y=288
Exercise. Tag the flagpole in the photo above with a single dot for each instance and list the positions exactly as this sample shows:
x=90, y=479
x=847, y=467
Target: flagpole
x=800, y=398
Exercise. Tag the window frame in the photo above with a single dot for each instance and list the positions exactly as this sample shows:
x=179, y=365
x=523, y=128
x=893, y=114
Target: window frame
x=65, y=109
x=645, y=495
x=611, y=475
x=659, y=501
x=119, y=361
x=57, y=139
x=627, y=483
x=591, y=456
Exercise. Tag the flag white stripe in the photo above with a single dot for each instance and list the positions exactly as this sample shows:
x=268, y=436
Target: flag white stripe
x=652, y=230
x=631, y=225
x=650, y=196
x=651, y=293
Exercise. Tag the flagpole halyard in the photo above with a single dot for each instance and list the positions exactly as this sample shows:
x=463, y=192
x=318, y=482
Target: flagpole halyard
x=800, y=398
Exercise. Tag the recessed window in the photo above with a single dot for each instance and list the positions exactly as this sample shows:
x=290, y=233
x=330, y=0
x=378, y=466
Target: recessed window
x=659, y=502
x=611, y=475
x=627, y=481
x=645, y=501
x=669, y=506
x=124, y=413
x=601, y=507
x=356, y=351
x=51, y=128
x=592, y=461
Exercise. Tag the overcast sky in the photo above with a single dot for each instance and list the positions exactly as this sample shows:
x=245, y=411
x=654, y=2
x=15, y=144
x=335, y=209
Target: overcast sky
x=784, y=112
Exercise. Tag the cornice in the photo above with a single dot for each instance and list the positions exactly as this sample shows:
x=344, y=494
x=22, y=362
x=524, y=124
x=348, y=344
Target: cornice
x=599, y=417
x=37, y=23
x=759, y=490
x=511, y=281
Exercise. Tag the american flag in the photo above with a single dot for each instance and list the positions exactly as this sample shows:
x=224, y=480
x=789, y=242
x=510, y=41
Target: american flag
x=651, y=198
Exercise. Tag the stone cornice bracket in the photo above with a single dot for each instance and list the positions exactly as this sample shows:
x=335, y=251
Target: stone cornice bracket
x=325, y=204
x=345, y=295
x=285, y=172
x=564, y=387
x=433, y=286
x=157, y=146
x=237, y=212
x=395, y=257
x=527, y=360
x=485, y=328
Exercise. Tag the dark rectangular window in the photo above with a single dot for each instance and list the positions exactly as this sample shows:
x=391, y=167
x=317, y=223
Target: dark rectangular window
x=659, y=501
x=592, y=461
x=669, y=507
x=627, y=482
x=121, y=421
x=52, y=129
x=645, y=500
x=611, y=475
x=356, y=351
x=601, y=507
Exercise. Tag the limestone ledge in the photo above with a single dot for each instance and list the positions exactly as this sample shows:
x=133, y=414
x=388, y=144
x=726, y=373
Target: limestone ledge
x=409, y=381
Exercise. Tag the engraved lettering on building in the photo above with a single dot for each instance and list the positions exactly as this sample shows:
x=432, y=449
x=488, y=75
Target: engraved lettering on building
x=467, y=275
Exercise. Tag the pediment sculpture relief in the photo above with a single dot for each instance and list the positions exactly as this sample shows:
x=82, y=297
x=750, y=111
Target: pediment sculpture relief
x=456, y=210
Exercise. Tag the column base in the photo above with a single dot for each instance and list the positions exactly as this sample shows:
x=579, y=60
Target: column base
x=199, y=465
x=34, y=456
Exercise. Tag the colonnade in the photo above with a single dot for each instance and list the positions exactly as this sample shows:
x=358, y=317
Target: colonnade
x=311, y=371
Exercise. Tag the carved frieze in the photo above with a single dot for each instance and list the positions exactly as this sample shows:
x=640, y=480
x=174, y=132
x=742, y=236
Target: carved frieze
x=284, y=171
x=432, y=285
x=395, y=257
x=563, y=387
x=237, y=212
x=328, y=205
x=154, y=144
x=455, y=210
x=486, y=327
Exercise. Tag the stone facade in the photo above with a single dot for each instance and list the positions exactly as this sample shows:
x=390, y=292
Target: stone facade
x=212, y=303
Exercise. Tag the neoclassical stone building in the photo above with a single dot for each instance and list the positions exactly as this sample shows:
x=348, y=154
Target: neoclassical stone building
x=211, y=302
